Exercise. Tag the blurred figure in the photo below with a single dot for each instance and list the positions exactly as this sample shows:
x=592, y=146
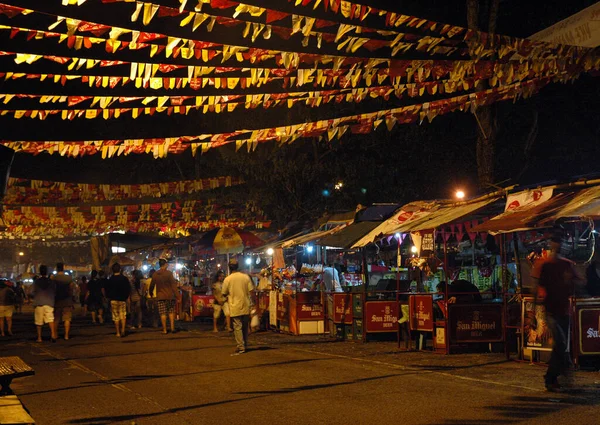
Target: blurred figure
x=44, y=293
x=557, y=277
x=7, y=306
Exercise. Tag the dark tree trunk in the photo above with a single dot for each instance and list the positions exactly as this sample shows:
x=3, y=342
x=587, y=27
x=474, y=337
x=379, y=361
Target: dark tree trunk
x=485, y=116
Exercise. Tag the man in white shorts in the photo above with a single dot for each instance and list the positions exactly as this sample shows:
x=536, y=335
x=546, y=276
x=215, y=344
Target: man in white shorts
x=44, y=293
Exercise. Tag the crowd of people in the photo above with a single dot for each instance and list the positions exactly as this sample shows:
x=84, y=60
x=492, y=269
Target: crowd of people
x=126, y=301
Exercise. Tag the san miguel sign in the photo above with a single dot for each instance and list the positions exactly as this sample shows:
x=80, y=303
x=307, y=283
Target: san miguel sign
x=589, y=331
x=476, y=323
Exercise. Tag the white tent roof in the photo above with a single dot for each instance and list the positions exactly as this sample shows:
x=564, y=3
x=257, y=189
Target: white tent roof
x=425, y=215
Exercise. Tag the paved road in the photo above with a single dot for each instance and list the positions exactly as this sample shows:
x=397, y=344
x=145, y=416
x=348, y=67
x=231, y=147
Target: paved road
x=191, y=378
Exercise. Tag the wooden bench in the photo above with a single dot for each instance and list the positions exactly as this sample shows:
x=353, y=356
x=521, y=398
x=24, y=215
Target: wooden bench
x=11, y=368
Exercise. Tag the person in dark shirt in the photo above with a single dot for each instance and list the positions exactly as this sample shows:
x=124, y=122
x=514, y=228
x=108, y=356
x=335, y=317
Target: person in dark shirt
x=593, y=278
x=95, y=298
x=118, y=290
x=557, y=277
x=460, y=291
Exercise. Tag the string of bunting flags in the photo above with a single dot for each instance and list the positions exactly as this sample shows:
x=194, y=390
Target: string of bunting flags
x=30, y=192
x=357, y=124
x=79, y=68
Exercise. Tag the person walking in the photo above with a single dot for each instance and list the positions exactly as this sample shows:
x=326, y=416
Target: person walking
x=44, y=294
x=220, y=305
x=105, y=301
x=135, y=300
x=118, y=290
x=95, y=298
x=7, y=307
x=237, y=287
x=63, y=305
x=151, y=301
x=166, y=293
x=19, y=297
x=83, y=291
x=557, y=277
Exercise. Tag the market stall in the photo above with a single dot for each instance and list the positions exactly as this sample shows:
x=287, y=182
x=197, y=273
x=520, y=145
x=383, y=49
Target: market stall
x=527, y=217
x=434, y=243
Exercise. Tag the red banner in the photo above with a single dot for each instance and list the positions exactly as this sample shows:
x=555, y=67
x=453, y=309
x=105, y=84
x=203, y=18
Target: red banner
x=589, y=331
x=342, y=308
x=421, y=313
x=382, y=316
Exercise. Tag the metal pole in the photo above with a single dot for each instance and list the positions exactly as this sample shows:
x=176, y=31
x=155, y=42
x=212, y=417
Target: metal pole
x=398, y=326
x=446, y=322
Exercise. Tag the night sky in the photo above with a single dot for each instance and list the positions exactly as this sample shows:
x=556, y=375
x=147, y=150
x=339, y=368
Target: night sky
x=411, y=162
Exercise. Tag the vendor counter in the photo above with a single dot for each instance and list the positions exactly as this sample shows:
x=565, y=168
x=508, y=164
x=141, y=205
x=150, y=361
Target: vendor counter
x=301, y=313
x=202, y=305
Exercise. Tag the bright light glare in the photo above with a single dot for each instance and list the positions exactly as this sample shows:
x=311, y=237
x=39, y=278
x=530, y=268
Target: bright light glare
x=339, y=185
x=460, y=194
x=309, y=248
x=178, y=266
x=248, y=261
x=397, y=236
x=270, y=251
x=21, y=253
x=117, y=249
x=218, y=265
x=413, y=249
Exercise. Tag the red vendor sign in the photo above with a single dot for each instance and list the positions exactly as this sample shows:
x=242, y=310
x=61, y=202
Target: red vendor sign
x=476, y=322
x=589, y=331
x=342, y=308
x=382, y=316
x=421, y=313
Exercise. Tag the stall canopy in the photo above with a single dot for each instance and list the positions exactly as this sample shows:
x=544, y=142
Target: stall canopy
x=425, y=215
x=543, y=211
x=312, y=236
x=346, y=237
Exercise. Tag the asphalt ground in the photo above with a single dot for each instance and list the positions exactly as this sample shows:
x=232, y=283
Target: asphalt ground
x=191, y=378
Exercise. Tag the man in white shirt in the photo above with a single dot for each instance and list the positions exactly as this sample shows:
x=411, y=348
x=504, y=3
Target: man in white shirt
x=237, y=287
x=331, y=277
